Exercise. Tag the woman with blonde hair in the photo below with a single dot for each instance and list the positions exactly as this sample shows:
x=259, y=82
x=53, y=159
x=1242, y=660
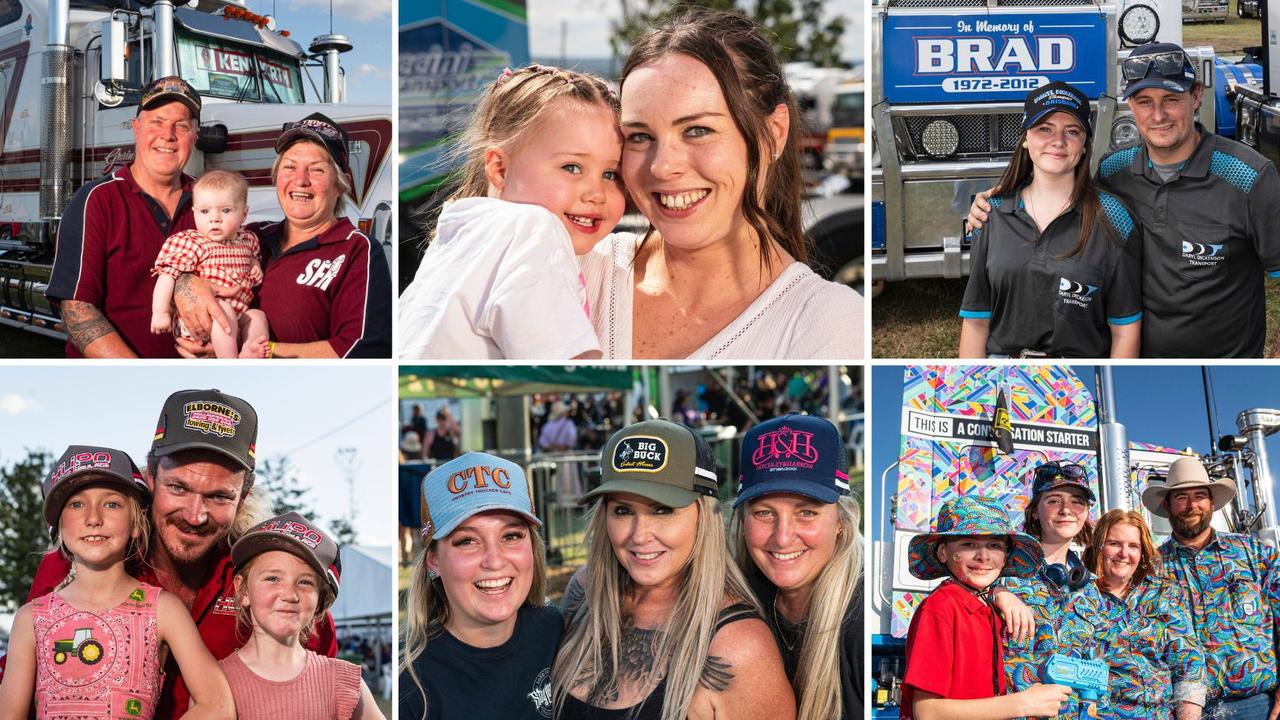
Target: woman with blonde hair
x=1157, y=665
x=798, y=544
x=662, y=626
x=479, y=640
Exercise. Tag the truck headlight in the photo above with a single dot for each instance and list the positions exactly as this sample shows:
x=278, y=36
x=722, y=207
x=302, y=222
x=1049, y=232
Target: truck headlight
x=1124, y=131
x=940, y=138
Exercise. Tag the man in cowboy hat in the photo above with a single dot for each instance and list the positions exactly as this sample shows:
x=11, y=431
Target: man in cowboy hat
x=1232, y=583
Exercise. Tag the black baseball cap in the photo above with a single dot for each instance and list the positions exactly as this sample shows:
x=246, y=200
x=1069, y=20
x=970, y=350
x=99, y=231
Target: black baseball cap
x=82, y=465
x=297, y=536
x=1055, y=97
x=207, y=420
x=170, y=89
x=319, y=128
x=662, y=461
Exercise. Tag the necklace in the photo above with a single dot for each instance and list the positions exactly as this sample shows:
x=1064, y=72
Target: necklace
x=782, y=629
x=1031, y=207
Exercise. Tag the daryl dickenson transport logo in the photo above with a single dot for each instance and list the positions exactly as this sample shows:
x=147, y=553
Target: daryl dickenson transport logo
x=1074, y=293
x=1202, y=254
x=540, y=696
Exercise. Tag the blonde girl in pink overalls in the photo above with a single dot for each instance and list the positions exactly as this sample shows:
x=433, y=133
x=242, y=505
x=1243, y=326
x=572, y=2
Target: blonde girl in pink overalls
x=94, y=648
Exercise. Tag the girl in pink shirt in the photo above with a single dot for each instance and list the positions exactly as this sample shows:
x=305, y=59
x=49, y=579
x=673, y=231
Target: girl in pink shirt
x=95, y=646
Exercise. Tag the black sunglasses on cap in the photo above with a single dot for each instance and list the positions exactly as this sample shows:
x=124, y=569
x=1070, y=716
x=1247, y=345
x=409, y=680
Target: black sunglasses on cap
x=1045, y=474
x=1167, y=64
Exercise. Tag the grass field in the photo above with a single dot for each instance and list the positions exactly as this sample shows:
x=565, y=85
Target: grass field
x=1228, y=38
x=917, y=319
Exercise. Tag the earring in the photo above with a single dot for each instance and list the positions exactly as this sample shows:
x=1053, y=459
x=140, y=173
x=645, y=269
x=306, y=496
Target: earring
x=432, y=575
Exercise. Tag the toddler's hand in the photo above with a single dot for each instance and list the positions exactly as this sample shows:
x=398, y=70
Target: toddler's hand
x=161, y=323
x=225, y=291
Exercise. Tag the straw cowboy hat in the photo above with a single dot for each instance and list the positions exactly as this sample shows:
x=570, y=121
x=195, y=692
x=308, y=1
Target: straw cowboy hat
x=974, y=516
x=1186, y=473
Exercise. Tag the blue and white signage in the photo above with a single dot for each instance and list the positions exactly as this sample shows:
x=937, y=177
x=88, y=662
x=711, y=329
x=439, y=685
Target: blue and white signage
x=992, y=56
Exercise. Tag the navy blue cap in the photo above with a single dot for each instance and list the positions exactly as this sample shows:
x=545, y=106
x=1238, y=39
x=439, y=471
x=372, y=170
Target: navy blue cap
x=799, y=454
x=1157, y=65
x=1055, y=97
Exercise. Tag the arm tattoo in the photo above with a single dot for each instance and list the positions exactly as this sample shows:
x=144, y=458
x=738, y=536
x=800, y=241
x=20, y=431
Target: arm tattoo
x=716, y=674
x=84, y=322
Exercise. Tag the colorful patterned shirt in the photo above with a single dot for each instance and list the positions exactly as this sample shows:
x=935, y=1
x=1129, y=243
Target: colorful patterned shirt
x=1155, y=657
x=1233, y=593
x=1073, y=623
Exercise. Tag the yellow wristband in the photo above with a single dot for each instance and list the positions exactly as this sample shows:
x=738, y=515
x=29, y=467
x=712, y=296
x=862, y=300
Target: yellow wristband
x=271, y=349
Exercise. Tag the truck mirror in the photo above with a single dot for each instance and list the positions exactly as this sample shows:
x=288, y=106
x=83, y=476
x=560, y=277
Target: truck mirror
x=114, y=42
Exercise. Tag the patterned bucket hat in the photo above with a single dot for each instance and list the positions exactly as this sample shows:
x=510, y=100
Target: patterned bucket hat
x=974, y=515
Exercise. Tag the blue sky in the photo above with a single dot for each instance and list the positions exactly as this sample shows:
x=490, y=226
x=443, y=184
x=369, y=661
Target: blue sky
x=1158, y=404
x=588, y=26
x=367, y=23
x=53, y=407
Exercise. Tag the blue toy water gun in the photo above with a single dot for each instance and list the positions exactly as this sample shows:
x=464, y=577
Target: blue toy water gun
x=1087, y=678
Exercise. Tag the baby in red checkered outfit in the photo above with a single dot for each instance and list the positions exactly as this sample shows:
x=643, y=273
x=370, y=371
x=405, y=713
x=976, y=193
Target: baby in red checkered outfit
x=223, y=253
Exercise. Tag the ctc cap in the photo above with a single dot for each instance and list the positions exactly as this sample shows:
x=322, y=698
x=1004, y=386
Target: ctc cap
x=662, y=461
x=799, y=454
x=207, y=420
x=470, y=484
x=319, y=128
x=1055, y=97
x=1157, y=65
x=297, y=536
x=170, y=89
x=82, y=465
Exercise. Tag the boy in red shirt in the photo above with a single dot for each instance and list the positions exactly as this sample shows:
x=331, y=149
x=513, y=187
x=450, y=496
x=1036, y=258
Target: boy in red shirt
x=955, y=658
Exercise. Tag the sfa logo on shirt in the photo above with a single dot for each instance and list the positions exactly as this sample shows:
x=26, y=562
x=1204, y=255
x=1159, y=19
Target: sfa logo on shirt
x=1202, y=254
x=1074, y=293
x=320, y=273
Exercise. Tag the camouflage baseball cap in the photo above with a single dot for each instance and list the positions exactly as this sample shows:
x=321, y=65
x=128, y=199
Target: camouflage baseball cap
x=170, y=89
x=295, y=535
x=82, y=465
x=207, y=420
x=662, y=461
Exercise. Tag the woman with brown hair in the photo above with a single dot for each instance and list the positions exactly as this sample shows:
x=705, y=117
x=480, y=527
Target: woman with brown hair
x=1057, y=269
x=1157, y=665
x=711, y=156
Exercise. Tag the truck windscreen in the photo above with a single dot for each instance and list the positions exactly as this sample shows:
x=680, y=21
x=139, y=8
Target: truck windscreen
x=240, y=72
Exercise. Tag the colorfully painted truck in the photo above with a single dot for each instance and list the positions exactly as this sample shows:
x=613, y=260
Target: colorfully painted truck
x=946, y=450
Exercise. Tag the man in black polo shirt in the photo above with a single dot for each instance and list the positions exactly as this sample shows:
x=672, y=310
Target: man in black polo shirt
x=1210, y=215
x=113, y=228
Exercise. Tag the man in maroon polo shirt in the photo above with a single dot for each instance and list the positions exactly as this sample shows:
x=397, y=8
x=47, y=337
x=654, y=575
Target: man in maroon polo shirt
x=200, y=470
x=113, y=227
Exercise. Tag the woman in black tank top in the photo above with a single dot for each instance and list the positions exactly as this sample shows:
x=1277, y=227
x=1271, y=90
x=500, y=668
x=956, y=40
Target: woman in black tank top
x=660, y=623
x=797, y=542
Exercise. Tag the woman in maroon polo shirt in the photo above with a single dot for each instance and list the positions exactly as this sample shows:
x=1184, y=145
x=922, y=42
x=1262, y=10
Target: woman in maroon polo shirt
x=326, y=287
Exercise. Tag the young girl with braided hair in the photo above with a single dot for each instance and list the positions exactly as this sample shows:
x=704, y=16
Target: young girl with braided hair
x=539, y=184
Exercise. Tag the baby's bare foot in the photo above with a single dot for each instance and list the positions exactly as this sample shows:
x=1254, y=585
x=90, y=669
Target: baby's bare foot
x=255, y=348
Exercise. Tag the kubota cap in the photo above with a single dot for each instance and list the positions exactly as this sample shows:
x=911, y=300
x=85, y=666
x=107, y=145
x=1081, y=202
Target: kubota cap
x=207, y=420
x=82, y=465
x=662, y=461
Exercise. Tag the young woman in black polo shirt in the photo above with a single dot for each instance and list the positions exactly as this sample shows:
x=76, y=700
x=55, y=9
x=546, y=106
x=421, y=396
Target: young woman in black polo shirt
x=1056, y=272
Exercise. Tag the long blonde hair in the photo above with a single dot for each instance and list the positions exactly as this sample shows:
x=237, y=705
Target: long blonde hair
x=427, y=607
x=595, y=632
x=817, y=681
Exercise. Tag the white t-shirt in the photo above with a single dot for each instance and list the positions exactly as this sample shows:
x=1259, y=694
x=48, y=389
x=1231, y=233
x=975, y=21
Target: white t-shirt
x=499, y=281
x=799, y=316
